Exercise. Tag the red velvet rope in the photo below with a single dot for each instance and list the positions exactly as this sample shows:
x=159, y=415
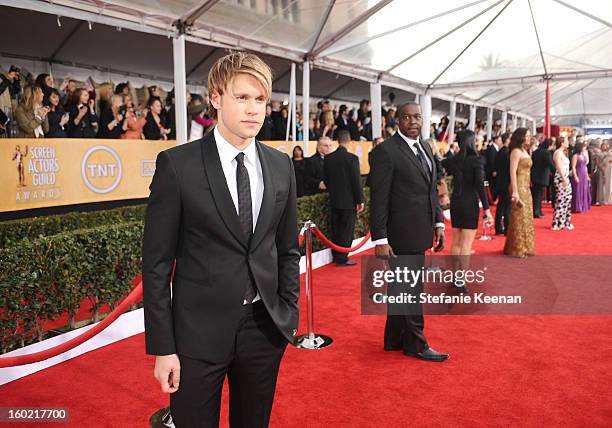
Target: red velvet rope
x=134, y=297
x=335, y=247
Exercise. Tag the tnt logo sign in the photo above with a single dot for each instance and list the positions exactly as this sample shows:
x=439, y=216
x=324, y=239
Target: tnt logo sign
x=101, y=169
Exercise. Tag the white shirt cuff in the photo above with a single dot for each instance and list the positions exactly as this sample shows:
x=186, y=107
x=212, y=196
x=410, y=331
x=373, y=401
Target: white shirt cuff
x=382, y=241
x=441, y=225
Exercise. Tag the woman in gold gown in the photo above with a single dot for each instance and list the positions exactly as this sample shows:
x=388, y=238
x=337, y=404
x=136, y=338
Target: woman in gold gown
x=520, y=240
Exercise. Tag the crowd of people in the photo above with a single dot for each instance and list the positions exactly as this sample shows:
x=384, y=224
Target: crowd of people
x=38, y=108
x=517, y=171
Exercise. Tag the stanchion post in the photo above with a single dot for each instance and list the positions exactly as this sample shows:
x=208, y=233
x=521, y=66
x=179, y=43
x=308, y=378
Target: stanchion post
x=311, y=340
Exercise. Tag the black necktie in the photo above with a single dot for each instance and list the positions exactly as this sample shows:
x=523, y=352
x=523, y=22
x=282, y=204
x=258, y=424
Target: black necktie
x=421, y=156
x=245, y=213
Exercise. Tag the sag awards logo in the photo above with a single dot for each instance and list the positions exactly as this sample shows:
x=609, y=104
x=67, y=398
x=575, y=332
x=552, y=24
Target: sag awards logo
x=101, y=169
x=42, y=169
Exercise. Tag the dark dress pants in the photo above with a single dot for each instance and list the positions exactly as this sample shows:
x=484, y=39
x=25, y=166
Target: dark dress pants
x=251, y=369
x=537, y=191
x=502, y=214
x=405, y=322
x=342, y=230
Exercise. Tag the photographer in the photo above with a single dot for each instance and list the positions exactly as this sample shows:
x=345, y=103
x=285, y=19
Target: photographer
x=82, y=116
x=31, y=115
x=10, y=87
x=58, y=118
x=113, y=121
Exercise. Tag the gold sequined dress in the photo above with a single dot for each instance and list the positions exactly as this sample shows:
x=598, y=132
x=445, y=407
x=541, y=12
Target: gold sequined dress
x=520, y=241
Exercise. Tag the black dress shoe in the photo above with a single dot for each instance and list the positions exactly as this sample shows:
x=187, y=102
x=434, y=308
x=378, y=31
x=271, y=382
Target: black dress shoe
x=393, y=347
x=463, y=289
x=346, y=263
x=429, y=355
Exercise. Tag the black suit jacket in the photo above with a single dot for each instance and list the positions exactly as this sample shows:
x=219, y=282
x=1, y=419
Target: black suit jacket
x=192, y=220
x=404, y=203
x=313, y=174
x=489, y=166
x=343, y=179
x=543, y=165
x=502, y=167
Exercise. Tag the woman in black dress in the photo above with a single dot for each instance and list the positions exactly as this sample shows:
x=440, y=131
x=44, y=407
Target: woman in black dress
x=468, y=187
x=299, y=165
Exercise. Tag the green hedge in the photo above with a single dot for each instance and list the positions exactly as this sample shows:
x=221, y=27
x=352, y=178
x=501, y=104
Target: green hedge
x=13, y=232
x=46, y=277
x=316, y=208
x=50, y=265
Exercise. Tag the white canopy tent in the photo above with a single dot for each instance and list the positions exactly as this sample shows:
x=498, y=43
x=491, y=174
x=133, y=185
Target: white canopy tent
x=489, y=53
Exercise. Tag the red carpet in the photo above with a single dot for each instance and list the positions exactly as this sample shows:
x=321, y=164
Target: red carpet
x=504, y=370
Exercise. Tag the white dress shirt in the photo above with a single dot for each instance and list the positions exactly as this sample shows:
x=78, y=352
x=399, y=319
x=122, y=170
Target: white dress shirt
x=412, y=144
x=227, y=154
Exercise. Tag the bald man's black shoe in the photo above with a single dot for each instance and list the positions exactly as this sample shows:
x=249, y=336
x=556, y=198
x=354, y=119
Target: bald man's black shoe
x=429, y=355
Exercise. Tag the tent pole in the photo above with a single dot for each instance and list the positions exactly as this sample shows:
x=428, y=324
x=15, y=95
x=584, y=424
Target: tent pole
x=306, y=107
x=294, y=105
x=451, y=122
x=290, y=116
x=425, y=101
x=489, y=123
x=180, y=88
x=472, y=122
x=514, y=122
x=504, y=121
x=547, y=113
x=376, y=99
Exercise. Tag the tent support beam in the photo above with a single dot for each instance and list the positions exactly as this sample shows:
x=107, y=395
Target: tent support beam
x=538, y=98
x=527, y=80
x=66, y=40
x=91, y=67
x=324, y=20
x=395, y=30
x=535, y=28
x=350, y=27
x=469, y=44
x=202, y=61
x=443, y=36
x=574, y=8
x=339, y=87
x=281, y=76
x=190, y=17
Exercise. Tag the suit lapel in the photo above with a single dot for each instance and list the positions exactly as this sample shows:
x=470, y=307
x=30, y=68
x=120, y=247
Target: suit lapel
x=219, y=189
x=403, y=145
x=267, y=203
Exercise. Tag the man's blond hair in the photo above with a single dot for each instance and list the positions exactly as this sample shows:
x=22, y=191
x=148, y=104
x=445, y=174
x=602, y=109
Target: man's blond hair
x=223, y=72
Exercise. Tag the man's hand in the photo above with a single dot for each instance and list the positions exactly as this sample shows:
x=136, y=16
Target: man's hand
x=360, y=207
x=440, y=239
x=322, y=185
x=384, y=252
x=168, y=372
